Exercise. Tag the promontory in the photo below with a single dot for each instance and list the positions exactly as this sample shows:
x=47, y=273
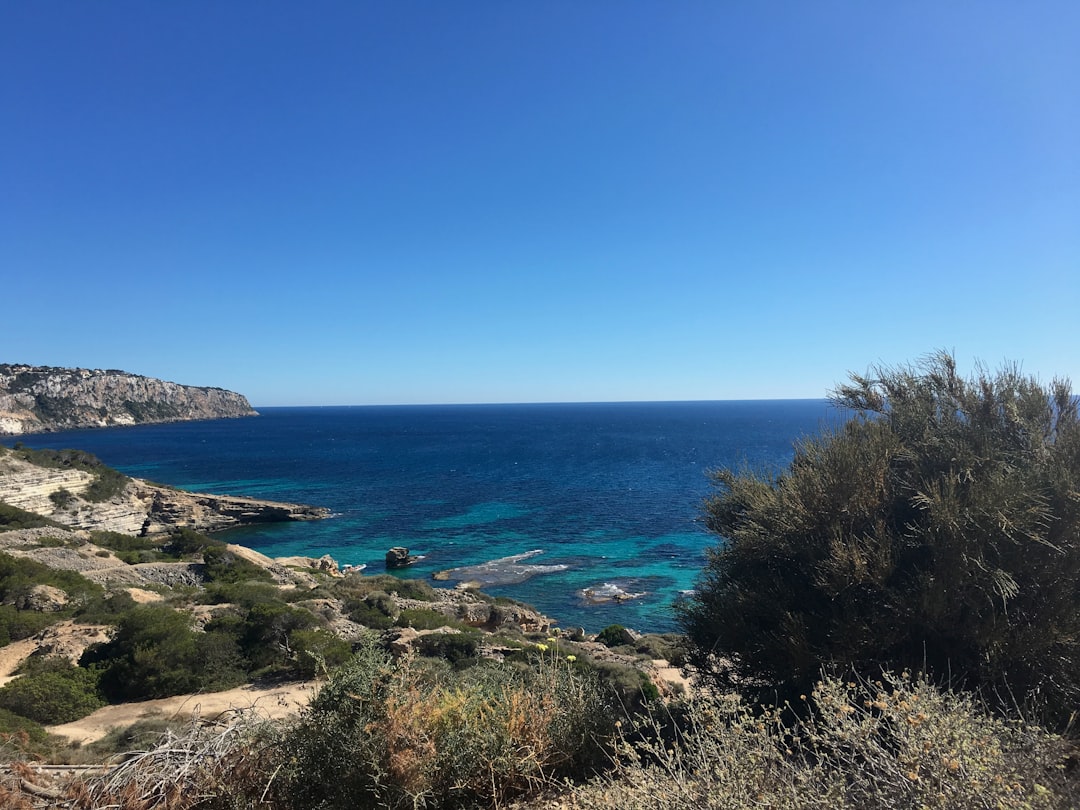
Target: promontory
x=39, y=399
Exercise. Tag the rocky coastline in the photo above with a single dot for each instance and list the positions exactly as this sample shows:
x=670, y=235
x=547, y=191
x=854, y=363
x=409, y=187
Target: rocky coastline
x=40, y=399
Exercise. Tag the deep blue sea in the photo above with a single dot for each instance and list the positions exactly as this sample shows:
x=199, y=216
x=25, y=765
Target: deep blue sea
x=599, y=496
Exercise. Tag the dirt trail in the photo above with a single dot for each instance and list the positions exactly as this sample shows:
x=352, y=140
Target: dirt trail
x=280, y=700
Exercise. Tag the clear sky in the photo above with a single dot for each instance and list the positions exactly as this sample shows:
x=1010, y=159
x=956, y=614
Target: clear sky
x=398, y=202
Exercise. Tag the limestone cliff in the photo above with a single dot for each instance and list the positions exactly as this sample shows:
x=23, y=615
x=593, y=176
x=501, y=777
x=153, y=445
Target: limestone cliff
x=36, y=399
x=136, y=506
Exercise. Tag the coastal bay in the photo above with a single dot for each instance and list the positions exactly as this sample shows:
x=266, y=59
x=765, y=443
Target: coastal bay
x=609, y=494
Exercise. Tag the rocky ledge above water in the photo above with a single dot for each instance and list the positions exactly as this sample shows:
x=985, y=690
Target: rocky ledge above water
x=38, y=399
x=136, y=506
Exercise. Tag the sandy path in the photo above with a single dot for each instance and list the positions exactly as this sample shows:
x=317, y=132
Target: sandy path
x=280, y=700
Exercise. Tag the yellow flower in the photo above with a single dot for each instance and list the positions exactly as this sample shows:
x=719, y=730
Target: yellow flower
x=542, y=647
x=571, y=658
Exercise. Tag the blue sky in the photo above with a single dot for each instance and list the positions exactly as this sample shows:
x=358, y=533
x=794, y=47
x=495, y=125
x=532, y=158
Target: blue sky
x=399, y=202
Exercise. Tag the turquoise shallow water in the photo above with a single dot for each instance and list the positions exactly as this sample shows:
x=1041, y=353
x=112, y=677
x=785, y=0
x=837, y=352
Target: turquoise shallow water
x=609, y=494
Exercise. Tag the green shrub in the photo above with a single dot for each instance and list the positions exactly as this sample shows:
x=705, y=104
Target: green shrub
x=402, y=735
x=245, y=594
x=153, y=654
x=61, y=498
x=358, y=585
x=938, y=527
x=12, y=517
x=614, y=635
x=427, y=619
x=267, y=628
x=124, y=542
x=20, y=733
x=377, y=610
x=16, y=625
x=454, y=647
x=102, y=608
x=52, y=691
x=185, y=542
x=225, y=566
x=318, y=652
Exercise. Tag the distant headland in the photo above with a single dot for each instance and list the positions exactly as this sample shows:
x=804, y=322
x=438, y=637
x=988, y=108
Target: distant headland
x=41, y=399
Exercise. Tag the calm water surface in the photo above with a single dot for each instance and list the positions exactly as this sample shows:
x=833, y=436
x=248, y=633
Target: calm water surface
x=606, y=495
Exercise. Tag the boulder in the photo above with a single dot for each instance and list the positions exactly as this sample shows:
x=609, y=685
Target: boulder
x=399, y=557
x=43, y=599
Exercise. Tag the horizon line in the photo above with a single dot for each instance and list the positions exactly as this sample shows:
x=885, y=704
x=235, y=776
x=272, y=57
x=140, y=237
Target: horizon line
x=546, y=402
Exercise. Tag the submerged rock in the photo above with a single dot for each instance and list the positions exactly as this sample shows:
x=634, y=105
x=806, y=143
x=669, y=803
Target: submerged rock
x=608, y=592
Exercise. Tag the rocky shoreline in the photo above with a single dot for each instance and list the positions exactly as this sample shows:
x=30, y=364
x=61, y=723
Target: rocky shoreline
x=40, y=399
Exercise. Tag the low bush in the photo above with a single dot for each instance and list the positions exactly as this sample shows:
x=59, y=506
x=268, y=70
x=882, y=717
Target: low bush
x=225, y=566
x=404, y=736
x=614, y=635
x=318, y=652
x=124, y=542
x=16, y=625
x=377, y=610
x=61, y=498
x=20, y=733
x=52, y=691
x=243, y=594
x=427, y=619
x=895, y=743
x=358, y=585
x=153, y=654
x=12, y=518
x=453, y=647
x=185, y=542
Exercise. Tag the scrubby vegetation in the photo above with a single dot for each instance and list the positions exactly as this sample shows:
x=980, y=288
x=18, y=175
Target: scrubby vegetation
x=12, y=518
x=937, y=530
x=107, y=482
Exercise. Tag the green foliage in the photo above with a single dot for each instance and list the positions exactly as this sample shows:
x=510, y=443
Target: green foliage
x=12, y=518
x=106, y=483
x=16, y=624
x=377, y=610
x=266, y=634
x=318, y=652
x=19, y=576
x=404, y=736
x=123, y=542
x=188, y=542
x=357, y=585
x=427, y=619
x=939, y=527
x=52, y=691
x=104, y=608
x=61, y=498
x=614, y=635
x=153, y=654
x=20, y=733
x=244, y=594
x=225, y=566
x=454, y=647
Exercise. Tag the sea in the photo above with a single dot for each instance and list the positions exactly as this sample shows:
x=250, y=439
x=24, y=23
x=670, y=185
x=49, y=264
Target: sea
x=592, y=513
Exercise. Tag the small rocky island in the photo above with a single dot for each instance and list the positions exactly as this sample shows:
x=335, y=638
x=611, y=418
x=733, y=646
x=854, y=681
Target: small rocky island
x=39, y=399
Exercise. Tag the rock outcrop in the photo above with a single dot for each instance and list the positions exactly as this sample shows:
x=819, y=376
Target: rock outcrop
x=37, y=399
x=138, y=508
x=399, y=557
